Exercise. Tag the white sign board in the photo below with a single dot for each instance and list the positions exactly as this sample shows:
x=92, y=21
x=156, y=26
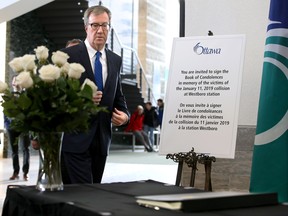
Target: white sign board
x=203, y=94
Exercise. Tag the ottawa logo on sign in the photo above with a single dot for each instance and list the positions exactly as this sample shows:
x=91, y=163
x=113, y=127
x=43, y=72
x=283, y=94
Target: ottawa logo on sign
x=199, y=50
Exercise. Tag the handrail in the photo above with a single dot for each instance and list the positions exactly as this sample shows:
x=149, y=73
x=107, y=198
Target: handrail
x=141, y=77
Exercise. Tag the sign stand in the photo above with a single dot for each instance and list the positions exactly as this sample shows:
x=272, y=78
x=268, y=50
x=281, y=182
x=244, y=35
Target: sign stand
x=207, y=161
x=191, y=159
x=178, y=158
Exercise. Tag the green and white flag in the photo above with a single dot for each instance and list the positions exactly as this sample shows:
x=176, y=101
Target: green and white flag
x=270, y=157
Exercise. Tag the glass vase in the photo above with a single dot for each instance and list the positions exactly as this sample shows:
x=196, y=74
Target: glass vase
x=49, y=175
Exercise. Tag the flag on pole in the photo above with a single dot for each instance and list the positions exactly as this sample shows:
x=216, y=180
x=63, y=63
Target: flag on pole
x=269, y=171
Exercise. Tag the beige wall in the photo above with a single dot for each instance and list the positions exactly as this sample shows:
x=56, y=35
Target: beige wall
x=151, y=39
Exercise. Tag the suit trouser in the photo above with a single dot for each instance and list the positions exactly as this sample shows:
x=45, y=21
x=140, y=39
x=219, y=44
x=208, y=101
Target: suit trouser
x=87, y=167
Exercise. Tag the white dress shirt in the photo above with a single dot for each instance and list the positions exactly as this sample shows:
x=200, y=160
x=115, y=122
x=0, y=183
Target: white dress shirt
x=92, y=57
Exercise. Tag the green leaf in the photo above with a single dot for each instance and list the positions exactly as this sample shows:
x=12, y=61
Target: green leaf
x=24, y=102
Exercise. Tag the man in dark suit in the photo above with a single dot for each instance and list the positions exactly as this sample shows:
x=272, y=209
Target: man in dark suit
x=84, y=154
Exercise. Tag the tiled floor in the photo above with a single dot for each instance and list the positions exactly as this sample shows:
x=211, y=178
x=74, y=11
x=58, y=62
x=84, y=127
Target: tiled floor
x=122, y=166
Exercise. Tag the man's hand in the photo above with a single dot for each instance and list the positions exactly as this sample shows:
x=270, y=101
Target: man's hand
x=97, y=97
x=119, y=118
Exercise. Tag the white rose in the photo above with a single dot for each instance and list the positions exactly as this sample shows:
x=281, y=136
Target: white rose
x=24, y=80
x=65, y=69
x=49, y=73
x=3, y=86
x=28, y=62
x=75, y=70
x=59, y=58
x=42, y=53
x=16, y=64
x=91, y=84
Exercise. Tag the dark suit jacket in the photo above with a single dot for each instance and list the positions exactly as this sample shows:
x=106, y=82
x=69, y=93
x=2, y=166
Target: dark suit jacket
x=112, y=97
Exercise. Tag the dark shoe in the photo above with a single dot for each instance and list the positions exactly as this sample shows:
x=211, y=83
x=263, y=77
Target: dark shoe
x=150, y=149
x=14, y=176
x=25, y=177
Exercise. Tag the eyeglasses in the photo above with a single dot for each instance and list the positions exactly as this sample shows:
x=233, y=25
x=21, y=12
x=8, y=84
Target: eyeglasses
x=96, y=26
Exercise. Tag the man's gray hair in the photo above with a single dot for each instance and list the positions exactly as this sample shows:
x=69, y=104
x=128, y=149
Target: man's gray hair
x=96, y=10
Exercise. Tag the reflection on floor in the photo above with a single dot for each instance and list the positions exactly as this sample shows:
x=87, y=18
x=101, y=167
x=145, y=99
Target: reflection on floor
x=122, y=166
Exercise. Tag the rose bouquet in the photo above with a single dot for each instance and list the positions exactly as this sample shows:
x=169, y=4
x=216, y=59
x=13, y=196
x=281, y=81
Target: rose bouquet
x=51, y=98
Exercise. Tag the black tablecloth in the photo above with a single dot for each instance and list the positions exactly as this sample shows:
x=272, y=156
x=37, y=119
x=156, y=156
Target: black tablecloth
x=117, y=199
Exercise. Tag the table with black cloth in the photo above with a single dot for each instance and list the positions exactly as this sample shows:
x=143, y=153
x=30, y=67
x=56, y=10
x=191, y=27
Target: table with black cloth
x=109, y=199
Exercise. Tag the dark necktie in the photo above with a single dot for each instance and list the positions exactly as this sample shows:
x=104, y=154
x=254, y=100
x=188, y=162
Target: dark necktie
x=98, y=71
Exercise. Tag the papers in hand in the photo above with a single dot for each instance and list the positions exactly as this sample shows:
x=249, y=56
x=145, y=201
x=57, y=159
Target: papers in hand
x=205, y=201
